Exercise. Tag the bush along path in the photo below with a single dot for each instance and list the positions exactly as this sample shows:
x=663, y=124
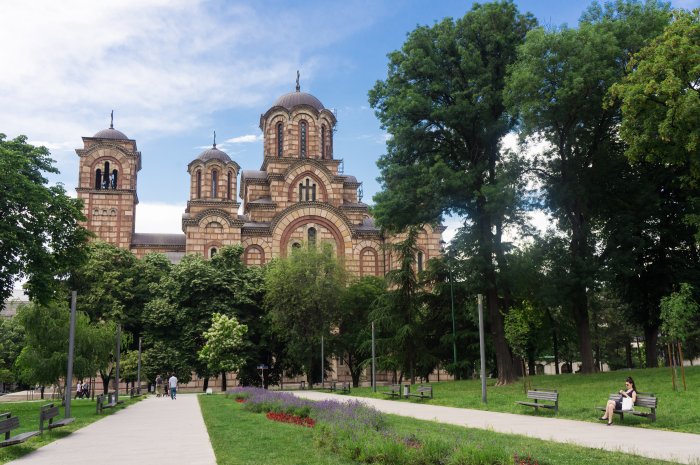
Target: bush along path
x=356, y=433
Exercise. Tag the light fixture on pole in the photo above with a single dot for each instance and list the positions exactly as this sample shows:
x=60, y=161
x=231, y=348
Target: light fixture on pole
x=71, y=350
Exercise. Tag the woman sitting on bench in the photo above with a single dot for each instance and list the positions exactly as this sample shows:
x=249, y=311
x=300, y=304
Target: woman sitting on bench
x=630, y=392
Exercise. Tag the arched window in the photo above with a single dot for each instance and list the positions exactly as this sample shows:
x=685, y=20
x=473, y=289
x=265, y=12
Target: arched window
x=280, y=139
x=312, y=237
x=105, y=176
x=113, y=181
x=230, y=187
x=199, y=184
x=98, y=179
x=419, y=260
x=323, y=141
x=214, y=179
x=302, y=138
x=212, y=252
x=307, y=191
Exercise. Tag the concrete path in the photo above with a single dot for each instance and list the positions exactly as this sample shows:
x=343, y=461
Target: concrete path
x=154, y=430
x=664, y=445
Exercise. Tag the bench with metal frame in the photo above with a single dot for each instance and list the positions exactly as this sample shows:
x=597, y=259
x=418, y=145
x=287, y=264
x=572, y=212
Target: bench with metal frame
x=393, y=391
x=423, y=391
x=544, y=395
x=49, y=412
x=7, y=424
x=111, y=401
x=341, y=386
x=644, y=399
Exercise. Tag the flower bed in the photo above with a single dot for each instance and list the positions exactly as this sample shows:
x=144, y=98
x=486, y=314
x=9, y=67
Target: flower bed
x=240, y=401
x=360, y=433
x=293, y=419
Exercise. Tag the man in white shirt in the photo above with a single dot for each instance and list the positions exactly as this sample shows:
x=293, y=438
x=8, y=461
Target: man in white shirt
x=172, y=382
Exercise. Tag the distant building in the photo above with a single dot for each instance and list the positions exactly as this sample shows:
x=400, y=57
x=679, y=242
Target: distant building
x=10, y=306
x=298, y=196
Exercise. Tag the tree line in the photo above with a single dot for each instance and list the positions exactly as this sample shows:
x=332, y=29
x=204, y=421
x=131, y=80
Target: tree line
x=607, y=120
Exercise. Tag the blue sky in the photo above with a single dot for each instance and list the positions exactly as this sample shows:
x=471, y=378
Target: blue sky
x=174, y=71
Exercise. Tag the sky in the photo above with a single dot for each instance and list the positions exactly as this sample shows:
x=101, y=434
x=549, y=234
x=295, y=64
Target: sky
x=175, y=71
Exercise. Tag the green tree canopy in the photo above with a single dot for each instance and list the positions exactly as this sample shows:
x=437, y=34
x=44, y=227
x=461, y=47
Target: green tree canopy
x=442, y=104
x=661, y=97
x=41, y=239
x=302, y=300
x=223, y=350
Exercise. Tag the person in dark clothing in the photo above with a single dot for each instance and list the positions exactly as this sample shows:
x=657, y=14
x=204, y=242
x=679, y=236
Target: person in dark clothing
x=630, y=391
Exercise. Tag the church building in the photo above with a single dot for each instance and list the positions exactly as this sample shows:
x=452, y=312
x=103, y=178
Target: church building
x=300, y=195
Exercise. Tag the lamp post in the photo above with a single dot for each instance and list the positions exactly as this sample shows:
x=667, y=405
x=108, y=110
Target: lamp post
x=452, y=304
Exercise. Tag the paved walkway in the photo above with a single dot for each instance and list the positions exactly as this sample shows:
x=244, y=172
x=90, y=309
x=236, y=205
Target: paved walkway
x=154, y=430
x=665, y=445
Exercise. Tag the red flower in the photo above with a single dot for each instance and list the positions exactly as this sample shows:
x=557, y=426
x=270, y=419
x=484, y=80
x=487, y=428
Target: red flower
x=240, y=401
x=294, y=419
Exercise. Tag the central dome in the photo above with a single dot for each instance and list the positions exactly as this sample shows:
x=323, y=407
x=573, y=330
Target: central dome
x=110, y=133
x=293, y=99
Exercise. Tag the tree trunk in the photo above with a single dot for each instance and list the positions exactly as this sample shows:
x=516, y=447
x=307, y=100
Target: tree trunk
x=206, y=384
x=223, y=381
x=41, y=391
x=583, y=330
x=504, y=359
x=651, y=335
x=628, y=355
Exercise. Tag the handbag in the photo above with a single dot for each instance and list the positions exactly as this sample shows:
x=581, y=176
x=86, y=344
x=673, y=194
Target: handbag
x=627, y=403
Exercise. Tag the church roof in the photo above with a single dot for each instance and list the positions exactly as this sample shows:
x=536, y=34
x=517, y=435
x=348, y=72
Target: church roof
x=157, y=239
x=254, y=174
x=293, y=99
x=214, y=154
x=110, y=133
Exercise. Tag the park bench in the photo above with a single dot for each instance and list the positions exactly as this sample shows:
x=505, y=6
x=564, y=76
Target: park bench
x=7, y=424
x=423, y=391
x=343, y=387
x=644, y=399
x=111, y=401
x=393, y=391
x=542, y=395
x=49, y=412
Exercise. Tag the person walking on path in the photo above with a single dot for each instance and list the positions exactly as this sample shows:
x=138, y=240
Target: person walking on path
x=159, y=385
x=172, y=381
x=626, y=401
x=79, y=390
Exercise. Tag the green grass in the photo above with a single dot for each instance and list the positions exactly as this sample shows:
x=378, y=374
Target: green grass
x=578, y=395
x=241, y=437
x=28, y=412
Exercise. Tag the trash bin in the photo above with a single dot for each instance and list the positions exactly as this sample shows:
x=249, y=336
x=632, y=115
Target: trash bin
x=406, y=390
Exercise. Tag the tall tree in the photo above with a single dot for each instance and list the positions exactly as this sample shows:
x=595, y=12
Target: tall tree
x=354, y=326
x=222, y=351
x=302, y=300
x=400, y=312
x=40, y=235
x=442, y=104
x=558, y=86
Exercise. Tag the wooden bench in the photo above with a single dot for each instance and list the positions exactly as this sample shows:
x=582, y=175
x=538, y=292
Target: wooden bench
x=542, y=395
x=7, y=424
x=111, y=401
x=644, y=399
x=343, y=387
x=49, y=412
x=423, y=391
x=394, y=391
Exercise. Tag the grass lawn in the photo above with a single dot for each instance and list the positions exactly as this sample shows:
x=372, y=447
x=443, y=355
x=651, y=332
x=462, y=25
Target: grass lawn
x=242, y=437
x=28, y=412
x=578, y=395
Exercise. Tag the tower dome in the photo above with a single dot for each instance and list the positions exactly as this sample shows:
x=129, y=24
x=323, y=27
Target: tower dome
x=110, y=132
x=214, y=154
x=292, y=99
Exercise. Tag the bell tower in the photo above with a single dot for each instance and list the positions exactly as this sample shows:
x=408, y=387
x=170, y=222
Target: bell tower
x=109, y=163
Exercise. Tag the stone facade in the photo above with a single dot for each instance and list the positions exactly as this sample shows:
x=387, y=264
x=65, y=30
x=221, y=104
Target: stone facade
x=298, y=196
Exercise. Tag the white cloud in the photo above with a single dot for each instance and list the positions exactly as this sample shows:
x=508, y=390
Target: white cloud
x=162, y=65
x=159, y=218
x=248, y=138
